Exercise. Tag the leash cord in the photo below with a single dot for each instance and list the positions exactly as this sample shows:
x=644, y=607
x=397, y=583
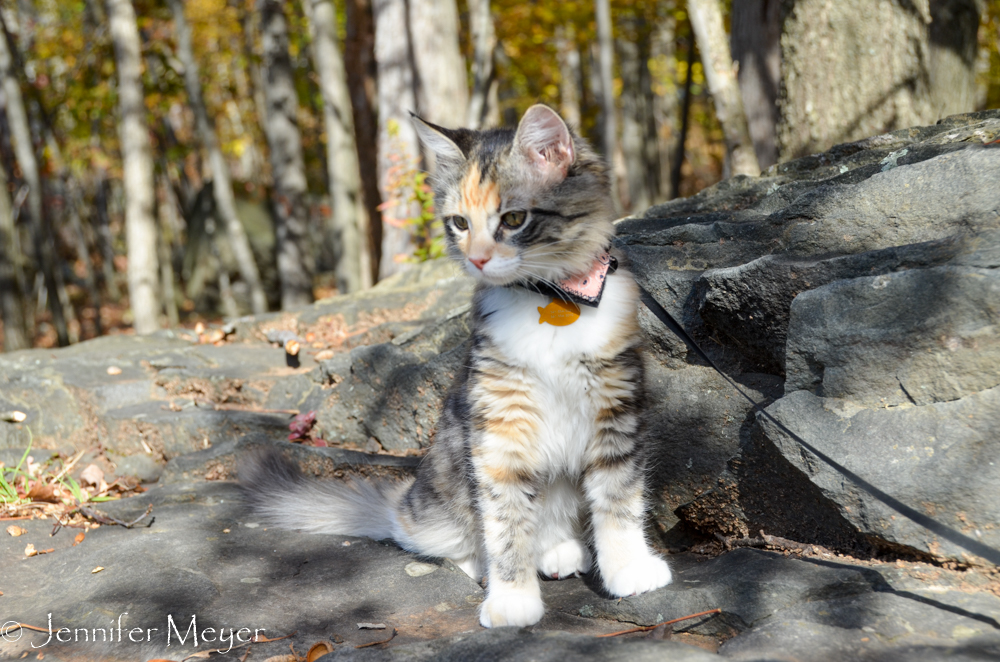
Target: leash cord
x=970, y=544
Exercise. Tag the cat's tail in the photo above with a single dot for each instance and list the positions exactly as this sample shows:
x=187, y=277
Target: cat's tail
x=277, y=491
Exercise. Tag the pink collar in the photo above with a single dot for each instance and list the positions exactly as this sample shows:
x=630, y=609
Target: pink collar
x=585, y=289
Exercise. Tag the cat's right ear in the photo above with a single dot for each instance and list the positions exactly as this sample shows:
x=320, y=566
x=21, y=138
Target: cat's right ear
x=546, y=142
x=435, y=139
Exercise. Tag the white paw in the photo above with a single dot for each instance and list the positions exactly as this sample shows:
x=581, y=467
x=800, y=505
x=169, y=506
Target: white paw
x=565, y=560
x=646, y=573
x=511, y=607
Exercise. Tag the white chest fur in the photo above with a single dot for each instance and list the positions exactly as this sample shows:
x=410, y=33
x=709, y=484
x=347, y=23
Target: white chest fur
x=554, y=356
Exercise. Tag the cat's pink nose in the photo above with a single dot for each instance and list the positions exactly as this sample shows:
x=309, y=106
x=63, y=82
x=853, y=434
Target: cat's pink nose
x=479, y=262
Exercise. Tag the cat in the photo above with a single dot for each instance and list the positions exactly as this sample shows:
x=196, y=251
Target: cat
x=538, y=458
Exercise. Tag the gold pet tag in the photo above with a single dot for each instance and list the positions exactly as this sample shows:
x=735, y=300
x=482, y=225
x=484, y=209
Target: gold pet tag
x=559, y=313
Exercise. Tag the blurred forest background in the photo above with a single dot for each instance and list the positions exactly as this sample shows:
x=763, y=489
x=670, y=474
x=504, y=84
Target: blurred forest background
x=168, y=162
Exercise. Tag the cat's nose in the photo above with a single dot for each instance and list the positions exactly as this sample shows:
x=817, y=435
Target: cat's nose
x=480, y=262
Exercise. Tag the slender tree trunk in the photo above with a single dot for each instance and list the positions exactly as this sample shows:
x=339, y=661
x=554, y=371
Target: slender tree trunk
x=104, y=239
x=359, y=48
x=398, y=149
x=609, y=124
x=440, y=77
x=484, y=42
x=73, y=204
x=295, y=266
x=570, y=74
x=706, y=20
x=349, y=218
x=222, y=184
x=639, y=140
x=678, y=163
x=665, y=116
x=14, y=337
x=137, y=168
x=756, y=42
x=167, y=212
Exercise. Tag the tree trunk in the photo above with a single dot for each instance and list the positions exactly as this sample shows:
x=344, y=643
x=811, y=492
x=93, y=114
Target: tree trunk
x=349, y=218
x=441, y=81
x=359, y=48
x=640, y=147
x=609, y=125
x=570, y=75
x=167, y=212
x=484, y=42
x=857, y=68
x=665, y=117
x=137, y=168
x=398, y=150
x=221, y=182
x=756, y=42
x=678, y=162
x=706, y=21
x=287, y=166
x=11, y=310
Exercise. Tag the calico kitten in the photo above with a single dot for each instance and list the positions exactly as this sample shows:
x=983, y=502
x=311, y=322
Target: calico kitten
x=538, y=457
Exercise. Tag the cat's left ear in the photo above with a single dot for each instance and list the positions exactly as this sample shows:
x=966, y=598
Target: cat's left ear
x=435, y=139
x=546, y=142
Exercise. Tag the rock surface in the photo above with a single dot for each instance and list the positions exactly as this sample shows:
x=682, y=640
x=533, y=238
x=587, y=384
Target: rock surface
x=853, y=293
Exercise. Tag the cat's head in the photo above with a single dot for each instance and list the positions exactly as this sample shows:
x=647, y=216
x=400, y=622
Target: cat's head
x=527, y=204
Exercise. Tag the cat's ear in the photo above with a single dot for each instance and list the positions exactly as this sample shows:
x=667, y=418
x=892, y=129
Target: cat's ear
x=437, y=141
x=546, y=142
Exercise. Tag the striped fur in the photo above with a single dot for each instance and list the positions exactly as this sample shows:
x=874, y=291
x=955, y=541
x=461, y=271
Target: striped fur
x=538, y=464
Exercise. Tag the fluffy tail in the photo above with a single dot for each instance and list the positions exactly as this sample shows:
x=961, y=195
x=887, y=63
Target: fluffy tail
x=276, y=490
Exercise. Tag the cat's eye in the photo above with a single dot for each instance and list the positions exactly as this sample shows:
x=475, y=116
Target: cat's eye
x=459, y=222
x=513, y=219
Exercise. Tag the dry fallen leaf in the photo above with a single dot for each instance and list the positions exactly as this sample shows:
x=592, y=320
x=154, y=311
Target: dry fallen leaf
x=114, y=370
x=15, y=530
x=29, y=551
x=46, y=493
x=325, y=355
x=215, y=335
x=93, y=475
x=79, y=538
x=292, y=347
x=199, y=328
x=13, y=416
x=97, y=570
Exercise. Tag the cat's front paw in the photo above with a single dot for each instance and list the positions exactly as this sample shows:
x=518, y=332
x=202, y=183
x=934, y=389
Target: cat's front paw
x=565, y=560
x=511, y=607
x=645, y=573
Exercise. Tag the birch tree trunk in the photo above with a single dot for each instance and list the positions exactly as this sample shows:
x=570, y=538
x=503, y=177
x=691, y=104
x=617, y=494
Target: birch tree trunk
x=349, y=218
x=609, y=125
x=14, y=337
x=484, y=42
x=665, y=116
x=441, y=82
x=24, y=150
x=287, y=166
x=398, y=149
x=756, y=41
x=361, y=70
x=137, y=169
x=222, y=184
x=706, y=21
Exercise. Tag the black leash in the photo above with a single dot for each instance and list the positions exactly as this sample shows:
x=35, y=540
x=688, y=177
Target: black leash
x=970, y=544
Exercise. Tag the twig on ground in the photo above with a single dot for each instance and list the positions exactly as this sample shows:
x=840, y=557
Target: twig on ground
x=376, y=643
x=647, y=628
x=102, y=518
